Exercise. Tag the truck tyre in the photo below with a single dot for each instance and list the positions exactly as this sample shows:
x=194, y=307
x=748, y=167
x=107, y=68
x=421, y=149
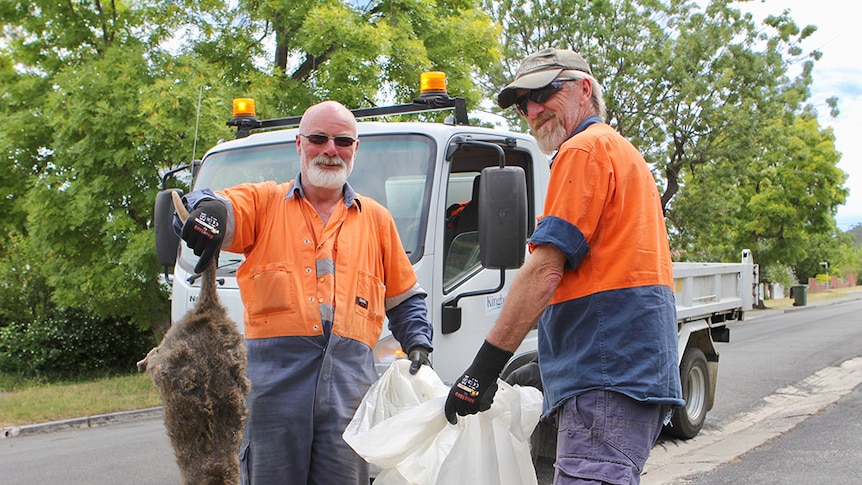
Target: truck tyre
x=694, y=374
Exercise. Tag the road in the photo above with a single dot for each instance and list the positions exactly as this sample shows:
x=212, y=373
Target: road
x=131, y=453
x=788, y=410
x=787, y=405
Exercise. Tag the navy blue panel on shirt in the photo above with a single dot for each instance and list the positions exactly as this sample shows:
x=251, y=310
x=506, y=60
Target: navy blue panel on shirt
x=620, y=340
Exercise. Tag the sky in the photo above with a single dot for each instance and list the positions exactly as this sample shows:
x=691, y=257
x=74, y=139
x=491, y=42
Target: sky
x=837, y=73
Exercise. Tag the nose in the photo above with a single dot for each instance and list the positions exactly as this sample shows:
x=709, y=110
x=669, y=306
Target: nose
x=533, y=109
x=329, y=147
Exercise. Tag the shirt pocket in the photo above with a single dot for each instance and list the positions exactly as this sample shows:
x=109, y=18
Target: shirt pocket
x=370, y=291
x=273, y=290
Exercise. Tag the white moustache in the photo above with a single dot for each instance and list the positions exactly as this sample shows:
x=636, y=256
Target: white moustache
x=328, y=161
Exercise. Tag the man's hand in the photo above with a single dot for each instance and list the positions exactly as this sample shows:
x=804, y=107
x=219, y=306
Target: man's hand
x=474, y=391
x=203, y=231
x=418, y=357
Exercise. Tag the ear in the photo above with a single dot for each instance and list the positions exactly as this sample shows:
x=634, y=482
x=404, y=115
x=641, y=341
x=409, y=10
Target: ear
x=585, y=96
x=179, y=207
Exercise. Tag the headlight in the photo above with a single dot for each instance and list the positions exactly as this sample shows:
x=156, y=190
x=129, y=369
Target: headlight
x=387, y=351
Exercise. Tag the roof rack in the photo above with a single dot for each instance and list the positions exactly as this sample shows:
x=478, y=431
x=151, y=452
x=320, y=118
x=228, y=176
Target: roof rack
x=424, y=103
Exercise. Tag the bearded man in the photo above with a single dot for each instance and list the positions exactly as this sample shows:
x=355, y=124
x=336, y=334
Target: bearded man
x=598, y=285
x=323, y=267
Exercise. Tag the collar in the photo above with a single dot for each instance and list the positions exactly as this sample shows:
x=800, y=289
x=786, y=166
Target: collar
x=350, y=195
x=591, y=120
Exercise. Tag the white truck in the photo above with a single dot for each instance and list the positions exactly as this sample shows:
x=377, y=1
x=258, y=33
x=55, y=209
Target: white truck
x=424, y=172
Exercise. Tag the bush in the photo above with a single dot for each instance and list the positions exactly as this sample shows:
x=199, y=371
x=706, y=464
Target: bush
x=71, y=344
x=777, y=274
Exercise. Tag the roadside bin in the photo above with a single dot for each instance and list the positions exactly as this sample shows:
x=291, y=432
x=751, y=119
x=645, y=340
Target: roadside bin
x=799, y=293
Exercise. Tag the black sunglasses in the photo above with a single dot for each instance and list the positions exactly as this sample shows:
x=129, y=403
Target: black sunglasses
x=540, y=95
x=340, y=141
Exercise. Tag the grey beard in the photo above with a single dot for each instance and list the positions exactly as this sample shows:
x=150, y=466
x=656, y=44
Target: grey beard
x=550, y=136
x=326, y=178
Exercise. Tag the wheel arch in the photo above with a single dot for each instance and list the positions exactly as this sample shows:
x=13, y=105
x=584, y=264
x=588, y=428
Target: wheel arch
x=519, y=361
x=700, y=337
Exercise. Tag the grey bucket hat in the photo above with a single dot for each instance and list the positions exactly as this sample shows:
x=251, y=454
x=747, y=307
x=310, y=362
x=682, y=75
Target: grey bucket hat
x=539, y=69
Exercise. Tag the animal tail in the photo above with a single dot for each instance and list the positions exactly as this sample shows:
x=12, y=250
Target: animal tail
x=179, y=207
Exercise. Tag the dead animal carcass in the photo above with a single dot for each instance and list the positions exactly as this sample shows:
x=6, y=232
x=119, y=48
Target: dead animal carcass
x=200, y=370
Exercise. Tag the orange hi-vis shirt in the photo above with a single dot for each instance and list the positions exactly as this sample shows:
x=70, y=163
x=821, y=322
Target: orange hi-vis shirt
x=602, y=186
x=299, y=274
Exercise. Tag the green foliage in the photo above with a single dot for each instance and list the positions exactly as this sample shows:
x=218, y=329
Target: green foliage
x=777, y=274
x=777, y=203
x=87, y=141
x=704, y=92
x=836, y=250
x=23, y=135
x=51, y=35
x=24, y=291
x=71, y=343
x=364, y=55
x=86, y=210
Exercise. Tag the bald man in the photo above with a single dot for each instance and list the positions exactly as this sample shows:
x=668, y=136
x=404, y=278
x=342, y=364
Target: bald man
x=323, y=267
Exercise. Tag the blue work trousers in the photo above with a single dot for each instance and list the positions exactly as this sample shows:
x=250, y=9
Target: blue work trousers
x=304, y=392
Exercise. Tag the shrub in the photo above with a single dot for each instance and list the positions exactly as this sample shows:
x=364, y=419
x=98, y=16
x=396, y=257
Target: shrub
x=71, y=344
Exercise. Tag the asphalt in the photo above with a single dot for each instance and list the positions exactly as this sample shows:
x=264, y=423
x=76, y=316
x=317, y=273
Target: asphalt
x=856, y=294
x=156, y=412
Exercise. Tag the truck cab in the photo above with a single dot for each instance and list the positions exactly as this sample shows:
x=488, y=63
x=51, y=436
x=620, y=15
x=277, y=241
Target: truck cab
x=429, y=176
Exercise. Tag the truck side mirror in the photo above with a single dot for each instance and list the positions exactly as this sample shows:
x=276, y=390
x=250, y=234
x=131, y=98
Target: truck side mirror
x=502, y=227
x=163, y=217
x=502, y=217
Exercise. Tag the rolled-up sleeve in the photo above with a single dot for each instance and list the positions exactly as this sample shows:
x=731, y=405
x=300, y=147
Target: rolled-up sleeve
x=564, y=236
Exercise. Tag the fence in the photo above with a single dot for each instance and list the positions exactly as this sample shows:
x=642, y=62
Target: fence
x=835, y=282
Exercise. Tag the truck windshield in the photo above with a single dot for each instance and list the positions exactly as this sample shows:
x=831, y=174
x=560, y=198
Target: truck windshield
x=393, y=169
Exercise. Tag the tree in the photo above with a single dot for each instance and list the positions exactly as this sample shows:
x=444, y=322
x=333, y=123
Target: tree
x=705, y=94
x=793, y=191
x=94, y=113
x=101, y=98
x=834, y=250
x=22, y=136
x=854, y=237
x=358, y=53
x=773, y=203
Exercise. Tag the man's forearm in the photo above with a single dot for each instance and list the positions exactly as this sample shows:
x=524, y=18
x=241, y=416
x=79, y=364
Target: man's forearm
x=528, y=296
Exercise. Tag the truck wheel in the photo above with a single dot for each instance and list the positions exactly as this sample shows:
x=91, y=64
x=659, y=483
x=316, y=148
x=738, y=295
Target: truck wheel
x=688, y=420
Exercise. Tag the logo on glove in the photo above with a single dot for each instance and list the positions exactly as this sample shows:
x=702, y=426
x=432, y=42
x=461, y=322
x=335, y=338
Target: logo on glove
x=206, y=225
x=471, y=386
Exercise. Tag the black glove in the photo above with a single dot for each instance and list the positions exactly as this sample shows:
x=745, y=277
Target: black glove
x=474, y=391
x=418, y=357
x=203, y=231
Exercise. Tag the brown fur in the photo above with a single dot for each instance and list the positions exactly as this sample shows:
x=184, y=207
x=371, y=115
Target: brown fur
x=200, y=370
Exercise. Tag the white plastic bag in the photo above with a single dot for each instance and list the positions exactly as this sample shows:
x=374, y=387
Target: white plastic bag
x=401, y=428
x=374, y=431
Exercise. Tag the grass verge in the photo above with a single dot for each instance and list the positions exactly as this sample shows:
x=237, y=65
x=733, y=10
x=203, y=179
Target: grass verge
x=814, y=296
x=23, y=402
